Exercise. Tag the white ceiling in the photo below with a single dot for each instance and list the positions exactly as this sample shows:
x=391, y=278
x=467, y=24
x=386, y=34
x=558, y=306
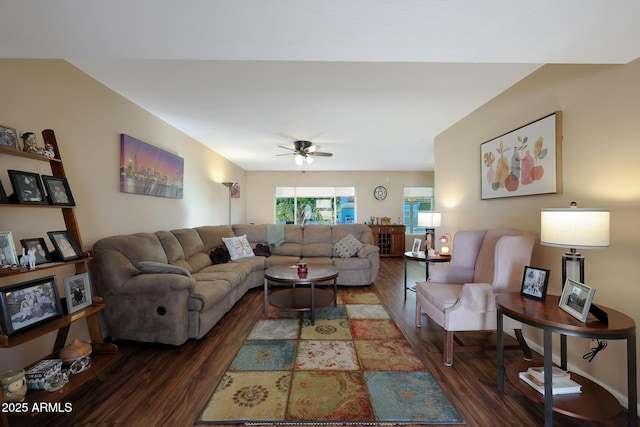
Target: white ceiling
x=373, y=81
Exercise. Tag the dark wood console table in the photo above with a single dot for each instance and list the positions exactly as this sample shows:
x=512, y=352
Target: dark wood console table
x=594, y=403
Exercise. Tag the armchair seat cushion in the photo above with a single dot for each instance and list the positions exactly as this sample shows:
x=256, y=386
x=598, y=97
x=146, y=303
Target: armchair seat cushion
x=440, y=295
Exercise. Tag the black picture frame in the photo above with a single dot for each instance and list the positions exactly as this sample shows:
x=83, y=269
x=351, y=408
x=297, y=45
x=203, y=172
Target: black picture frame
x=66, y=247
x=3, y=196
x=534, y=283
x=42, y=252
x=58, y=191
x=29, y=304
x=27, y=188
x=8, y=137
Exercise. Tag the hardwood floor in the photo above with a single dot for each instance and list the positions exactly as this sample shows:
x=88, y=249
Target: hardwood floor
x=158, y=385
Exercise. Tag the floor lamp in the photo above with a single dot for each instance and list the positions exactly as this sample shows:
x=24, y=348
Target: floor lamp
x=574, y=228
x=229, y=185
x=429, y=220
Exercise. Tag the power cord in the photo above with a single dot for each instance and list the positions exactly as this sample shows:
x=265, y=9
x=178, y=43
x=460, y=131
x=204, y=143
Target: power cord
x=596, y=346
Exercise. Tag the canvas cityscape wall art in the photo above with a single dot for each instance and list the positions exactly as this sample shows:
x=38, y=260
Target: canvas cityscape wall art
x=146, y=169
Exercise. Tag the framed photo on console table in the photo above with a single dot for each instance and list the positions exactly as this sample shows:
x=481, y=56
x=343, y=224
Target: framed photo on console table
x=534, y=283
x=77, y=290
x=29, y=304
x=66, y=246
x=576, y=299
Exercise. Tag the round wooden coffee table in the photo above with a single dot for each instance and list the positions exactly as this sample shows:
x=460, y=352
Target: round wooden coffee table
x=300, y=299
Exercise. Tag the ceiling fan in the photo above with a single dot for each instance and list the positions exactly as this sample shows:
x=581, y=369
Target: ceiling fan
x=304, y=151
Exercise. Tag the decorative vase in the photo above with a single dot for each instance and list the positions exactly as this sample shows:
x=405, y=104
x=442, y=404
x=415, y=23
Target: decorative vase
x=75, y=350
x=302, y=269
x=14, y=386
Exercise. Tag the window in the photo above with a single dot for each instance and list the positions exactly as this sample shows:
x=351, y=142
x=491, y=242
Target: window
x=315, y=205
x=416, y=199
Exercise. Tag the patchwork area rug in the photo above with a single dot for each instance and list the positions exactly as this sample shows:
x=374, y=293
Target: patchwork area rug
x=354, y=366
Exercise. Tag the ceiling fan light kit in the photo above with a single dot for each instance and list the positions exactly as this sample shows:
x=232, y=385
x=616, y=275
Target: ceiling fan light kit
x=303, y=152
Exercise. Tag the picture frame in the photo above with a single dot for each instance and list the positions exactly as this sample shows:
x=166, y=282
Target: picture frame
x=77, y=290
x=8, y=255
x=42, y=252
x=27, y=188
x=534, y=283
x=416, y=246
x=524, y=161
x=65, y=245
x=8, y=137
x=3, y=195
x=576, y=299
x=138, y=159
x=29, y=304
x=58, y=191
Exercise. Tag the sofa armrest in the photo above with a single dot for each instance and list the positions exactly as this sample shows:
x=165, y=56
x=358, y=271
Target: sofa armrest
x=151, y=267
x=478, y=297
x=367, y=250
x=450, y=274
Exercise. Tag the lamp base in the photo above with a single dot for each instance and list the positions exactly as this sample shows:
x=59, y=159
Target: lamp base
x=599, y=313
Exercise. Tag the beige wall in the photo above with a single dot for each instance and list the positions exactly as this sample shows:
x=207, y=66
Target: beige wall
x=600, y=148
x=88, y=119
x=261, y=190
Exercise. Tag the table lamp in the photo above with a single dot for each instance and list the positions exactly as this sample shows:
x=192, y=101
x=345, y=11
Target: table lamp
x=429, y=220
x=574, y=228
x=445, y=239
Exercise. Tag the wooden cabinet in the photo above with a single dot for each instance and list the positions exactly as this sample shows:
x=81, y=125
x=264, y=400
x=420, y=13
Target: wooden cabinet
x=389, y=238
x=103, y=354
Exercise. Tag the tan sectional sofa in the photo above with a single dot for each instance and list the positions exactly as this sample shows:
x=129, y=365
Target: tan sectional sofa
x=163, y=287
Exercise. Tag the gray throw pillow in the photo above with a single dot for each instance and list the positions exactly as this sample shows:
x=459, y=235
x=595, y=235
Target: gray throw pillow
x=348, y=246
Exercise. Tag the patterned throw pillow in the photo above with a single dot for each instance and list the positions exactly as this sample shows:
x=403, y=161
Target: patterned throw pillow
x=348, y=246
x=238, y=247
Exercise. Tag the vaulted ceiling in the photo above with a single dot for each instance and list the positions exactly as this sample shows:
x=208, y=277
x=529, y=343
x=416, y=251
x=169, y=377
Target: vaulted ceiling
x=372, y=81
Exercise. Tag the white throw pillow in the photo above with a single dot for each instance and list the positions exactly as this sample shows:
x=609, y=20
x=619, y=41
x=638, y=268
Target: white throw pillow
x=348, y=246
x=238, y=247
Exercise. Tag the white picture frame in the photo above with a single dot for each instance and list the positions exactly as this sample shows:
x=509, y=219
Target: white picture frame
x=8, y=255
x=77, y=290
x=416, y=246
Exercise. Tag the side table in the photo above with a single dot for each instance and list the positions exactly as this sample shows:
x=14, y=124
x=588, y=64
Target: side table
x=420, y=256
x=594, y=403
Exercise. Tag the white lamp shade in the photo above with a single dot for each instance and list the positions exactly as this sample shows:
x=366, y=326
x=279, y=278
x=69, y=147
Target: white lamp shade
x=429, y=219
x=575, y=228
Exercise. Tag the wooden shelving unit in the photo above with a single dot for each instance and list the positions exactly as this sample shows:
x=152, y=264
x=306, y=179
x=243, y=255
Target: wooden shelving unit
x=389, y=238
x=103, y=354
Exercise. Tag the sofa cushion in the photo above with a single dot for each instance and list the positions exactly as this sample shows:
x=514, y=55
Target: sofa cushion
x=152, y=267
x=238, y=247
x=348, y=246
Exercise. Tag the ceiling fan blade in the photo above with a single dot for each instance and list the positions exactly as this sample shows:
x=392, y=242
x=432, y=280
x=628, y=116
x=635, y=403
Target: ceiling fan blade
x=286, y=148
x=287, y=154
x=320, y=154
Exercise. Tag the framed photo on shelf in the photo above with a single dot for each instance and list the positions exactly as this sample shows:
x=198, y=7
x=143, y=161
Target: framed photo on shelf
x=3, y=195
x=534, y=283
x=27, y=188
x=416, y=246
x=576, y=299
x=8, y=256
x=66, y=246
x=29, y=304
x=8, y=137
x=78, y=292
x=58, y=191
x=42, y=253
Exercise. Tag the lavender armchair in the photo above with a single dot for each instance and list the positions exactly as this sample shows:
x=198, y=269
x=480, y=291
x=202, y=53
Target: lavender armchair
x=461, y=296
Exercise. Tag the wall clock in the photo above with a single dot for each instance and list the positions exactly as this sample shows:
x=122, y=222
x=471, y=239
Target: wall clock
x=380, y=193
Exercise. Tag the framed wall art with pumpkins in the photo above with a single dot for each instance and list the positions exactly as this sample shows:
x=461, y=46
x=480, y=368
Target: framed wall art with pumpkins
x=524, y=161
